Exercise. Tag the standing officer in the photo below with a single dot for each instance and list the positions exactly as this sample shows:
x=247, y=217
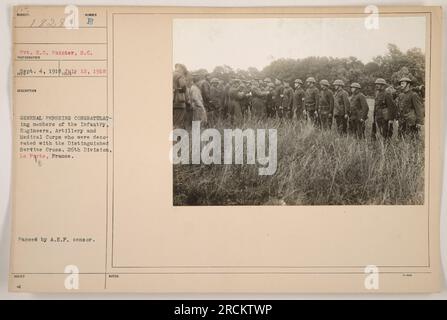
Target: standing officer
x=258, y=106
x=199, y=112
x=181, y=101
x=358, y=112
x=216, y=101
x=298, y=99
x=384, y=111
x=287, y=101
x=410, y=109
x=236, y=100
x=311, y=100
x=341, y=107
x=245, y=88
x=269, y=100
x=226, y=105
x=326, y=105
x=277, y=95
x=205, y=88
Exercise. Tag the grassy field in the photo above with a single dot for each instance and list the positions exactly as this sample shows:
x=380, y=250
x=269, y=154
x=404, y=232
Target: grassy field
x=314, y=168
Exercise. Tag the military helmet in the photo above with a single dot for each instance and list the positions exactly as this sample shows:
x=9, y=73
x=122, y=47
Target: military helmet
x=196, y=77
x=324, y=82
x=298, y=81
x=267, y=80
x=355, y=85
x=214, y=80
x=310, y=79
x=405, y=79
x=380, y=81
x=339, y=82
x=277, y=81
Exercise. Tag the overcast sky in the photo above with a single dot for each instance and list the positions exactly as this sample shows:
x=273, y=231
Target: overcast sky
x=243, y=43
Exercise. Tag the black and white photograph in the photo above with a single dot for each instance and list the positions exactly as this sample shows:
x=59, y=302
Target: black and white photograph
x=223, y=150
x=299, y=111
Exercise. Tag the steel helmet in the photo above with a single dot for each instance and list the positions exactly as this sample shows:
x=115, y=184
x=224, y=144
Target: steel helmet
x=339, y=82
x=298, y=81
x=324, y=82
x=355, y=85
x=406, y=79
x=310, y=79
x=380, y=81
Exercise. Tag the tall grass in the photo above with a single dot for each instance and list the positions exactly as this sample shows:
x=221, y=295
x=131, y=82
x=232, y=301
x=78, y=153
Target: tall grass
x=315, y=167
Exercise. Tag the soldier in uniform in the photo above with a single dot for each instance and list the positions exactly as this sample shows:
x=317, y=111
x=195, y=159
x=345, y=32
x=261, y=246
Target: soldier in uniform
x=358, y=112
x=258, y=105
x=287, y=101
x=245, y=88
x=205, y=88
x=410, y=110
x=384, y=111
x=311, y=100
x=181, y=102
x=277, y=96
x=236, y=97
x=226, y=106
x=269, y=101
x=298, y=99
x=341, y=107
x=326, y=105
x=197, y=105
x=216, y=101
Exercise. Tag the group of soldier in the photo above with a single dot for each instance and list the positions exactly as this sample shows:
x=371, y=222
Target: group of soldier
x=199, y=98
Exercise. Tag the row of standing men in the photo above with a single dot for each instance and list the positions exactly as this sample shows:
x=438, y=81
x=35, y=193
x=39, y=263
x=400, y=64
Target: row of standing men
x=209, y=100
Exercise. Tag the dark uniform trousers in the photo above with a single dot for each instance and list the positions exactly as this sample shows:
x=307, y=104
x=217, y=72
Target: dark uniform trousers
x=312, y=115
x=408, y=130
x=326, y=121
x=342, y=124
x=382, y=127
x=357, y=128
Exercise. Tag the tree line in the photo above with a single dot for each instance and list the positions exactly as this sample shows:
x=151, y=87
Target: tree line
x=391, y=66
